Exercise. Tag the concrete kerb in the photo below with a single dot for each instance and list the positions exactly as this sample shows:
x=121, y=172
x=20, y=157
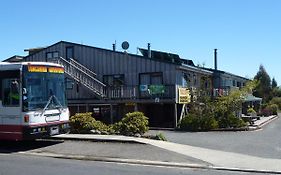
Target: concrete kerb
x=98, y=138
x=145, y=162
x=268, y=121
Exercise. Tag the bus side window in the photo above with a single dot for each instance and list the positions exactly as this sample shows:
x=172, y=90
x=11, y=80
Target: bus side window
x=10, y=93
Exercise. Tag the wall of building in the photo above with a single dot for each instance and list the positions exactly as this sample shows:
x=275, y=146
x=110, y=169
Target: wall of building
x=106, y=62
x=160, y=109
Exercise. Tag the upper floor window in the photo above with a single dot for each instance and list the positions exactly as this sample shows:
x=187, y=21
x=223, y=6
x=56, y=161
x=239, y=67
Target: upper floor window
x=186, y=80
x=155, y=78
x=51, y=55
x=238, y=84
x=114, y=80
x=55, y=54
x=195, y=80
x=69, y=52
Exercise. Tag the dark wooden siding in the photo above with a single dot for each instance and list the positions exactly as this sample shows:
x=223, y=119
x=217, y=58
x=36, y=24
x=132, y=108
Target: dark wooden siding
x=107, y=62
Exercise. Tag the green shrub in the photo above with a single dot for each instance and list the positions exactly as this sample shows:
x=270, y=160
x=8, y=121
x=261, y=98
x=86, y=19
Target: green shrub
x=251, y=111
x=102, y=127
x=273, y=108
x=276, y=100
x=81, y=122
x=231, y=121
x=160, y=136
x=208, y=123
x=133, y=123
x=190, y=122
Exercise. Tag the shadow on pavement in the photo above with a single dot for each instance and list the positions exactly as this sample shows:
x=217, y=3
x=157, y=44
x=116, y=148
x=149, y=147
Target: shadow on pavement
x=17, y=146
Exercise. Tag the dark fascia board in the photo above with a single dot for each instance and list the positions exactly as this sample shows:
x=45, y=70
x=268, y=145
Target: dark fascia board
x=12, y=57
x=118, y=52
x=42, y=49
x=223, y=72
x=107, y=50
x=71, y=43
x=178, y=59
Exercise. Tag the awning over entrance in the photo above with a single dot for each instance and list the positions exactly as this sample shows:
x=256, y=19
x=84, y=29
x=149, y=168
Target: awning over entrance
x=251, y=98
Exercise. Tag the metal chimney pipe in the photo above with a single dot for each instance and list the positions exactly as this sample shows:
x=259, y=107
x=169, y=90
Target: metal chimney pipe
x=215, y=59
x=114, y=47
x=149, y=50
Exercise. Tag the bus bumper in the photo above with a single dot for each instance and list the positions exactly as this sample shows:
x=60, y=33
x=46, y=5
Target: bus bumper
x=44, y=131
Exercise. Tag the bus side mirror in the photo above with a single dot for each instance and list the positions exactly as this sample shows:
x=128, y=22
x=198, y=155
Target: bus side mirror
x=24, y=91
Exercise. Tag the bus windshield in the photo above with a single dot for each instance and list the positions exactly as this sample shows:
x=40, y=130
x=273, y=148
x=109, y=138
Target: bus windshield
x=43, y=88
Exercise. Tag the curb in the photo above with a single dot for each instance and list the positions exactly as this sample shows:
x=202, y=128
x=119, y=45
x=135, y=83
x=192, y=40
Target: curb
x=268, y=121
x=146, y=162
x=258, y=127
x=100, y=139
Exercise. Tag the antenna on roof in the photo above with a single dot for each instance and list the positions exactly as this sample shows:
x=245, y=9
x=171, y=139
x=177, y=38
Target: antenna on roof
x=125, y=45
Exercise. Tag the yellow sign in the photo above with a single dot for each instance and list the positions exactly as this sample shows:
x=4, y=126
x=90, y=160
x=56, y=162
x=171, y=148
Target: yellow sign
x=58, y=70
x=32, y=68
x=184, y=96
x=37, y=69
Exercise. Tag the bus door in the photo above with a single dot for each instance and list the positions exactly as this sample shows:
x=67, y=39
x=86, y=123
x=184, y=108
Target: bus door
x=10, y=110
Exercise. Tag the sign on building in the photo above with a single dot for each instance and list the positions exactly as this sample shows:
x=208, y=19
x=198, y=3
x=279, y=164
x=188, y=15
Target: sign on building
x=184, y=96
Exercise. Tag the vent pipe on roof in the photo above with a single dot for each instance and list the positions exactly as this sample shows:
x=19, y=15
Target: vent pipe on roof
x=149, y=50
x=114, y=47
x=215, y=59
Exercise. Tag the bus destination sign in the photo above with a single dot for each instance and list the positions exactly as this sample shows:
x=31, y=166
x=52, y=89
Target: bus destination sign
x=58, y=70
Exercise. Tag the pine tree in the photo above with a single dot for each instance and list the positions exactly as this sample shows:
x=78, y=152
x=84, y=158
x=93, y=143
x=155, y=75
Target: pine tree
x=263, y=88
x=274, y=83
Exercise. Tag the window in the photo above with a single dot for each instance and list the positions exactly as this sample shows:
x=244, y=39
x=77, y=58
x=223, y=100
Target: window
x=10, y=91
x=151, y=78
x=69, y=52
x=144, y=79
x=156, y=78
x=238, y=84
x=55, y=54
x=51, y=55
x=194, y=80
x=186, y=80
x=69, y=83
x=114, y=80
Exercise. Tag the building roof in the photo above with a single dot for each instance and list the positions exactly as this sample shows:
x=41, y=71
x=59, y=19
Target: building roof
x=250, y=97
x=155, y=55
x=224, y=72
x=15, y=58
x=165, y=56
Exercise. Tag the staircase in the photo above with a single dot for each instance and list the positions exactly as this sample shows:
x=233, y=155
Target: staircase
x=83, y=75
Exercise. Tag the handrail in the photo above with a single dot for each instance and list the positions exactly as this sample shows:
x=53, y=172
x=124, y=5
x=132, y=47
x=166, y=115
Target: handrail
x=84, y=71
x=82, y=66
x=82, y=74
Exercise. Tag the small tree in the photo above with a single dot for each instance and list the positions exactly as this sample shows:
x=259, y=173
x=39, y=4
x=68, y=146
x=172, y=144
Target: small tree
x=264, y=86
x=274, y=83
x=227, y=106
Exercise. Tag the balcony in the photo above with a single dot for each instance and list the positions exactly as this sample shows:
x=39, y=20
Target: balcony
x=141, y=92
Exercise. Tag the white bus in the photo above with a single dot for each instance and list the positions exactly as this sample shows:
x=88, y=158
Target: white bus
x=32, y=100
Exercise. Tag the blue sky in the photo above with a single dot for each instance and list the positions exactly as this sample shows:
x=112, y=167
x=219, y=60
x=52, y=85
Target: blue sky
x=246, y=33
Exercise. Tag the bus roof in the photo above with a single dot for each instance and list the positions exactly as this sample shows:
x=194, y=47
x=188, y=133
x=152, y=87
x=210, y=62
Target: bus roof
x=18, y=65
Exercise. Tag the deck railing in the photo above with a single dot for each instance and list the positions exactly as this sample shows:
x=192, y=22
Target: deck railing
x=141, y=92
